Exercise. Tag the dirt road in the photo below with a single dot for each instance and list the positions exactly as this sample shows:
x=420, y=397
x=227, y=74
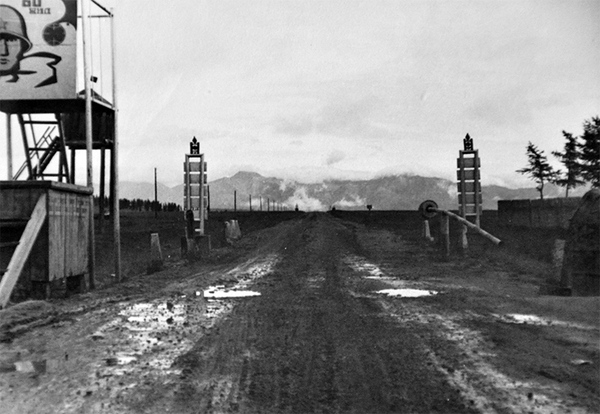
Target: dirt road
x=336, y=317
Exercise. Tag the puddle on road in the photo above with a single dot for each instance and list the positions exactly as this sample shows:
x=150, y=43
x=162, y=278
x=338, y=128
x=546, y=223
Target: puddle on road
x=160, y=328
x=359, y=264
x=477, y=374
x=407, y=293
x=399, y=287
x=121, y=359
x=523, y=319
x=220, y=292
x=154, y=334
x=245, y=277
x=251, y=270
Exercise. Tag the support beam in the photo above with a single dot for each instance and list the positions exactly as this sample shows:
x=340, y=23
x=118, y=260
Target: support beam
x=88, y=135
x=23, y=250
x=9, y=159
x=26, y=147
x=114, y=163
x=64, y=165
x=73, y=153
x=102, y=190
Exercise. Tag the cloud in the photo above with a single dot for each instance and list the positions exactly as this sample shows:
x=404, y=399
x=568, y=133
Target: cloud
x=334, y=157
x=314, y=174
x=304, y=201
x=347, y=118
x=343, y=116
x=501, y=108
x=355, y=201
x=451, y=189
x=295, y=127
x=284, y=184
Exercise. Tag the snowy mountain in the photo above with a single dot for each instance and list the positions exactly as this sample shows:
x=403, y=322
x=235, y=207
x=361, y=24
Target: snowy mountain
x=398, y=192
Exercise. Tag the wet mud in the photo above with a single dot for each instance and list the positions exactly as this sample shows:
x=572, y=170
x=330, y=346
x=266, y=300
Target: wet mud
x=322, y=316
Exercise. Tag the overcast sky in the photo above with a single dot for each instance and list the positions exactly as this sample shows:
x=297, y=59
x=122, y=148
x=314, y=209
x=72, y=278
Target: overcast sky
x=311, y=90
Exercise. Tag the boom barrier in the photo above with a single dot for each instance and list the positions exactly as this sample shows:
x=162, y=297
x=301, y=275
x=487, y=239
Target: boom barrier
x=430, y=209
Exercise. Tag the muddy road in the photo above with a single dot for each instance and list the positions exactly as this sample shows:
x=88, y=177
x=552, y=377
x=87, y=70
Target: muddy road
x=319, y=315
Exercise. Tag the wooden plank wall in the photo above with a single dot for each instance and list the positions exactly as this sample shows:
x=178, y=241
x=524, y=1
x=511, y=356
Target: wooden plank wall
x=61, y=248
x=68, y=235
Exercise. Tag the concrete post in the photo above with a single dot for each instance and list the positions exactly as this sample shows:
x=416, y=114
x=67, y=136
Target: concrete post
x=426, y=230
x=463, y=241
x=156, y=259
x=445, y=234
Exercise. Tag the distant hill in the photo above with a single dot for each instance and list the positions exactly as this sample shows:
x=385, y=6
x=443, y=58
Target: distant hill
x=397, y=192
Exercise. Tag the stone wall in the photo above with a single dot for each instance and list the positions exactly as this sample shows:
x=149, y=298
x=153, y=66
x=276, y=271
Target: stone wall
x=548, y=213
x=581, y=266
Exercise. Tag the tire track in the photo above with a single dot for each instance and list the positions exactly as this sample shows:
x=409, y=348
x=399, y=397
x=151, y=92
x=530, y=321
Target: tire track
x=307, y=345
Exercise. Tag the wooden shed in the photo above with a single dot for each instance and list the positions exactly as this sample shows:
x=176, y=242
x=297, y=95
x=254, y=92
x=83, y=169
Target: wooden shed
x=44, y=236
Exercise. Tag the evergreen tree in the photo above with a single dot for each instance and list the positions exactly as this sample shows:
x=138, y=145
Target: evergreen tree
x=539, y=169
x=589, y=151
x=571, y=178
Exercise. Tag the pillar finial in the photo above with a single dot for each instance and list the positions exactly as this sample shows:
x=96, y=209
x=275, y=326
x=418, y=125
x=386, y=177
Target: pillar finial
x=468, y=143
x=194, y=147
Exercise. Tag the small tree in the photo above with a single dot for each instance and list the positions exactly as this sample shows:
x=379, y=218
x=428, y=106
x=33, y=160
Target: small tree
x=571, y=178
x=539, y=169
x=589, y=151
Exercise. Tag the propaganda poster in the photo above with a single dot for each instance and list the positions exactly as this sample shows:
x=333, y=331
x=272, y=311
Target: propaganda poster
x=38, y=49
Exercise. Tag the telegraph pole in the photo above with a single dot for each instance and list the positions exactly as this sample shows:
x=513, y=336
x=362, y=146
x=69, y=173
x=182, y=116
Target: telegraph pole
x=155, y=195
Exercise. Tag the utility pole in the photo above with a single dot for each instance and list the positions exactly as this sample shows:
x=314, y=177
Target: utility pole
x=250, y=201
x=234, y=200
x=155, y=195
x=114, y=190
x=87, y=55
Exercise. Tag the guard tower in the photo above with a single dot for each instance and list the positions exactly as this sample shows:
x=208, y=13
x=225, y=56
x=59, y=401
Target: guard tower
x=58, y=94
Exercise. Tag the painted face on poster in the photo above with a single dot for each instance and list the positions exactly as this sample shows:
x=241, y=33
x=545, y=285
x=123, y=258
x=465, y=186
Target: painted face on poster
x=38, y=49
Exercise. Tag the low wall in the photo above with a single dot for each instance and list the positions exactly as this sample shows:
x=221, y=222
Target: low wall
x=548, y=213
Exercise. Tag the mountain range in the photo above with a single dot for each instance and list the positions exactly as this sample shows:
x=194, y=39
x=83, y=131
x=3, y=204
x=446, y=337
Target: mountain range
x=396, y=192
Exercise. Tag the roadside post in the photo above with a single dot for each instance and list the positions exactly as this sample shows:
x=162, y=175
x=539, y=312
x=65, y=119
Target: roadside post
x=469, y=187
x=427, y=231
x=195, y=200
x=445, y=232
x=156, y=257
